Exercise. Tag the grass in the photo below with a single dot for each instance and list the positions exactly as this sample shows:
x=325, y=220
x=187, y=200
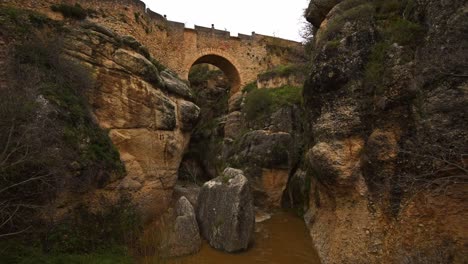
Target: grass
x=402, y=31
x=283, y=71
x=261, y=103
x=19, y=254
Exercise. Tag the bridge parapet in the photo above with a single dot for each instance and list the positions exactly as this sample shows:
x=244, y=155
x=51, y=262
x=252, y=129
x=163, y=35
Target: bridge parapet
x=177, y=46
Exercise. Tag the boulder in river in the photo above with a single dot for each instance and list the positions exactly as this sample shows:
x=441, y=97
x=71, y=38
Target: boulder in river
x=225, y=211
x=185, y=236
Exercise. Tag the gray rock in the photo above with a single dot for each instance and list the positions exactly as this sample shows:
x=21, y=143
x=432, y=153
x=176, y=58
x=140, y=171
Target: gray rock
x=165, y=113
x=99, y=28
x=318, y=10
x=235, y=102
x=189, y=191
x=225, y=211
x=233, y=124
x=185, y=236
x=266, y=149
x=137, y=64
x=189, y=113
x=175, y=85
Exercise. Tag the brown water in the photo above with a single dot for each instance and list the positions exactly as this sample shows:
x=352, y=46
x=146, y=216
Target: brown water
x=283, y=239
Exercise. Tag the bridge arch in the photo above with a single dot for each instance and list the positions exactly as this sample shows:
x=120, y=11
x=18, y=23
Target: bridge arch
x=223, y=61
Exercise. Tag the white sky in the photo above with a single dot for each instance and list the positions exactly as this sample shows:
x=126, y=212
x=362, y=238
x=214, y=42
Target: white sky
x=280, y=18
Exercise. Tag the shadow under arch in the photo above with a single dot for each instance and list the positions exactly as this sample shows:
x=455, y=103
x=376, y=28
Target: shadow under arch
x=224, y=65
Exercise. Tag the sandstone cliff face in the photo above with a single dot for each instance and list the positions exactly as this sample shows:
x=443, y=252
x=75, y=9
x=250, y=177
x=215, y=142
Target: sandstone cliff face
x=386, y=102
x=147, y=112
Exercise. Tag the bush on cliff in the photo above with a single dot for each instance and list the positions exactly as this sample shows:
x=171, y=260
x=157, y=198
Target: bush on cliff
x=260, y=103
x=284, y=71
x=49, y=142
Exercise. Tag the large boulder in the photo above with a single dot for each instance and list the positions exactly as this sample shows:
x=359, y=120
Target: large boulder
x=185, y=236
x=225, y=211
x=189, y=115
x=265, y=149
x=137, y=64
x=174, y=85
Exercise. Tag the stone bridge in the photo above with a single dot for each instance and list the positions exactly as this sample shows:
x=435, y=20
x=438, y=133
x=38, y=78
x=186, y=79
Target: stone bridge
x=240, y=57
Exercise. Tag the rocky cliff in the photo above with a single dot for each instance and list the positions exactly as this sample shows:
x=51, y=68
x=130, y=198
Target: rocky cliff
x=148, y=112
x=386, y=104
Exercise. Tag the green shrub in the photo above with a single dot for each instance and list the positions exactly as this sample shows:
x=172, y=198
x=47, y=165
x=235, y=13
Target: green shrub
x=68, y=11
x=249, y=87
x=283, y=71
x=403, y=32
x=201, y=73
x=45, y=126
x=263, y=102
x=21, y=254
x=375, y=67
x=86, y=231
x=257, y=103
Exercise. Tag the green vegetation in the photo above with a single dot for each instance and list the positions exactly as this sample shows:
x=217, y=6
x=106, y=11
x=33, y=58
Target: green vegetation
x=403, y=32
x=260, y=103
x=249, y=87
x=350, y=11
x=375, y=67
x=393, y=28
x=284, y=71
x=69, y=11
x=211, y=89
x=333, y=44
x=62, y=84
x=200, y=74
x=19, y=254
x=85, y=231
x=49, y=144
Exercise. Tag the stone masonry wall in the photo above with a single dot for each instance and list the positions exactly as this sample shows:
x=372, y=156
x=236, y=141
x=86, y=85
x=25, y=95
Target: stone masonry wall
x=176, y=46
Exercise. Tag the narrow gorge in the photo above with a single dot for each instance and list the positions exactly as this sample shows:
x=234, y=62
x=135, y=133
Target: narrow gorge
x=126, y=137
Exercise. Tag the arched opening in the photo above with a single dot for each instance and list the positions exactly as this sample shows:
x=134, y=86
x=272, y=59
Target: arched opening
x=228, y=68
x=213, y=79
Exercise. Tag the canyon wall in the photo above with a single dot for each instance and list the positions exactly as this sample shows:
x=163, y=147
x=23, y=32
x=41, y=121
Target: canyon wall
x=386, y=105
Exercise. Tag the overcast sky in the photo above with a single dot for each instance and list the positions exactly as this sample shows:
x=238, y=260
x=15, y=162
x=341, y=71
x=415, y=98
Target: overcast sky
x=280, y=18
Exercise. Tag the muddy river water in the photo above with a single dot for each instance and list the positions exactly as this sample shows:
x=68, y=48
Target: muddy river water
x=282, y=239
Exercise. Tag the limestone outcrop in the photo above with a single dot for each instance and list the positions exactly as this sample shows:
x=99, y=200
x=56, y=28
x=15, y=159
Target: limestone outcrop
x=225, y=211
x=184, y=238
x=383, y=148
x=147, y=113
x=318, y=10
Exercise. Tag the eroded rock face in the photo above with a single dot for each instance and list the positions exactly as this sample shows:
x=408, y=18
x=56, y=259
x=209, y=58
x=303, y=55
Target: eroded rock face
x=375, y=137
x=318, y=10
x=225, y=211
x=147, y=113
x=185, y=236
x=265, y=157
